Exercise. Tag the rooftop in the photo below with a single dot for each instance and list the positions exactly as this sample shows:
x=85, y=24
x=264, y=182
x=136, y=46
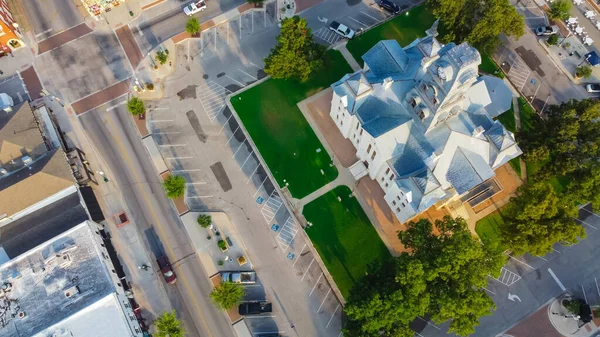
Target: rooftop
x=58, y=286
x=29, y=170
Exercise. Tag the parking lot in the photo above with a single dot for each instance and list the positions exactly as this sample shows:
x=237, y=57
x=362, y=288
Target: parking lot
x=527, y=282
x=13, y=86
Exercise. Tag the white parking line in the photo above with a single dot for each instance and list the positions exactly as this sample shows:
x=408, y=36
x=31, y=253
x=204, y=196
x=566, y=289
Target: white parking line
x=584, y=295
x=258, y=189
x=256, y=79
x=429, y=323
x=252, y=174
x=374, y=18
x=315, y=286
x=359, y=22
x=238, y=82
x=224, y=124
x=239, y=148
x=307, y=269
x=293, y=264
x=562, y=287
x=486, y=289
x=556, y=251
x=20, y=96
x=590, y=212
x=254, y=65
x=44, y=32
x=249, y=155
x=232, y=134
x=585, y=223
x=336, y=309
x=166, y=133
x=597, y=289
x=523, y=263
x=324, y=300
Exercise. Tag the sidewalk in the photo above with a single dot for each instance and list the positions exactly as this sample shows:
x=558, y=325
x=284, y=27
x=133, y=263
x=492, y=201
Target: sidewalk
x=562, y=320
x=349, y=58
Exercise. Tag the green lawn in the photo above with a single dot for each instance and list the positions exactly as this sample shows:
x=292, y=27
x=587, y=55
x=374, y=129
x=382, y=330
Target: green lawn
x=488, y=66
x=343, y=236
x=283, y=136
x=403, y=28
x=527, y=114
x=507, y=118
x=487, y=228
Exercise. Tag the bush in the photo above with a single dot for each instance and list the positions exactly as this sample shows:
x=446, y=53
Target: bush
x=222, y=244
x=227, y=295
x=150, y=86
x=135, y=106
x=162, y=56
x=584, y=71
x=572, y=306
x=553, y=40
x=192, y=26
x=174, y=186
x=560, y=9
x=204, y=220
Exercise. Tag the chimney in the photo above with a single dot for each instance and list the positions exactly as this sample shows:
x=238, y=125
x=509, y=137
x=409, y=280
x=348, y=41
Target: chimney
x=387, y=83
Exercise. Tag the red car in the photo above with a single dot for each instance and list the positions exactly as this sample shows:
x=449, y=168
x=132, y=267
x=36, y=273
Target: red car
x=167, y=270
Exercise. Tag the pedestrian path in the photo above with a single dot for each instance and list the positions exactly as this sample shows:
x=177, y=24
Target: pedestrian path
x=349, y=58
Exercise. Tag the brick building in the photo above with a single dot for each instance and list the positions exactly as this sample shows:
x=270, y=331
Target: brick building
x=10, y=37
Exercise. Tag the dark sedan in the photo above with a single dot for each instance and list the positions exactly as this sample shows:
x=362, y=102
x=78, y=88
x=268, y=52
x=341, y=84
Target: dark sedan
x=389, y=6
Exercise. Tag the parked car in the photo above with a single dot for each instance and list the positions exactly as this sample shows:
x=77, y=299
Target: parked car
x=195, y=7
x=546, y=30
x=593, y=87
x=166, y=269
x=389, y=6
x=341, y=29
x=243, y=277
x=254, y=308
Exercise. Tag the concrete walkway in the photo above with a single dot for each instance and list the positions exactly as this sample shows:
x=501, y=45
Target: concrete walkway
x=349, y=58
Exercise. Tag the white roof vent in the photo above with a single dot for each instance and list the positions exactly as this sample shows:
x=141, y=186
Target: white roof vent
x=64, y=260
x=74, y=290
x=478, y=131
x=387, y=83
x=27, y=160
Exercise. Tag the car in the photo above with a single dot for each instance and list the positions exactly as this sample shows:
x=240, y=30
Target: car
x=166, y=270
x=254, y=308
x=242, y=277
x=592, y=87
x=389, y=6
x=546, y=30
x=341, y=29
x=194, y=7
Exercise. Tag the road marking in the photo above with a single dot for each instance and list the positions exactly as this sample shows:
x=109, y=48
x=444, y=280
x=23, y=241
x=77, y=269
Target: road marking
x=512, y=297
x=429, y=323
x=590, y=212
x=239, y=148
x=360, y=23
x=374, y=18
x=525, y=264
x=486, y=289
x=584, y=295
x=44, y=32
x=224, y=124
x=142, y=34
x=542, y=258
x=261, y=184
x=324, y=300
x=117, y=137
x=249, y=155
x=307, y=269
x=20, y=96
x=252, y=174
x=315, y=286
x=256, y=79
x=597, y=289
x=556, y=251
x=293, y=264
x=238, y=82
x=585, y=223
x=254, y=65
x=232, y=134
x=562, y=287
x=336, y=309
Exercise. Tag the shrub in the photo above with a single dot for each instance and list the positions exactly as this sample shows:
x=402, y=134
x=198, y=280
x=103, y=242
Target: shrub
x=553, y=40
x=162, y=56
x=150, y=86
x=135, y=106
x=204, y=220
x=584, y=71
x=192, y=26
x=222, y=244
x=174, y=186
x=572, y=306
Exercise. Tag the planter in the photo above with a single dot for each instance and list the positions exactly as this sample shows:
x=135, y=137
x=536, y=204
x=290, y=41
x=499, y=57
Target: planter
x=242, y=260
x=223, y=245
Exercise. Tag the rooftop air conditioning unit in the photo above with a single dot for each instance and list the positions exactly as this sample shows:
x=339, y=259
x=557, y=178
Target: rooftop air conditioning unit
x=27, y=160
x=74, y=290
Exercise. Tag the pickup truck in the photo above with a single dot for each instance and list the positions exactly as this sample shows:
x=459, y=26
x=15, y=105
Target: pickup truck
x=546, y=30
x=254, y=308
x=243, y=277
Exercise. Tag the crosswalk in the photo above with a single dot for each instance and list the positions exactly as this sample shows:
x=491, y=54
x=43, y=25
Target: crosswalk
x=507, y=277
x=271, y=207
x=287, y=233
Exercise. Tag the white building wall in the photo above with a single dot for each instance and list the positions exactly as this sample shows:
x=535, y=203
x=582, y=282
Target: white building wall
x=398, y=202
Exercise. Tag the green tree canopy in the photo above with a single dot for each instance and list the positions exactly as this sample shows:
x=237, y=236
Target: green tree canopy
x=135, y=106
x=296, y=55
x=227, y=295
x=192, y=26
x=537, y=219
x=479, y=22
x=167, y=325
x=560, y=9
x=162, y=56
x=584, y=71
x=174, y=186
x=443, y=277
x=204, y=220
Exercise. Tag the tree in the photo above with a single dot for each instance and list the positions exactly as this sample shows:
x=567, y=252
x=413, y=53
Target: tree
x=443, y=276
x=296, y=55
x=227, y=295
x=204, y=220
x=457, y=266
x=560, y=9
x=585, y=187
x=584, y=71
x=537, y=219
x=192, y=26
x=167, y=325
x=135, y=106
x=479, y=22
x=162, y=56
x=174, y=186
x=553, y=40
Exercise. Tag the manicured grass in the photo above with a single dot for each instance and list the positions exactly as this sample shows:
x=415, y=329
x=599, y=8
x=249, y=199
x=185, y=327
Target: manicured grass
x=487, y=228
x=515, y=163
x=507, y=118
x=343, y=236
x=527, y=114
x=490, y=67
x=403, y=28
x=283, y=136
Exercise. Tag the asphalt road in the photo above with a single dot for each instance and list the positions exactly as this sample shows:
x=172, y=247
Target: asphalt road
x=48, y=18
x=118, y=143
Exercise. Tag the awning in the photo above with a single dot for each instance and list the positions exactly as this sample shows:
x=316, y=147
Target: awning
x=593, y=58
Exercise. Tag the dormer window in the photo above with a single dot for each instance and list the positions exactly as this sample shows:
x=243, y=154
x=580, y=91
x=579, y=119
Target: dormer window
x=421, y=115
x=413, y=102
x=424, y=86
x=435, y=101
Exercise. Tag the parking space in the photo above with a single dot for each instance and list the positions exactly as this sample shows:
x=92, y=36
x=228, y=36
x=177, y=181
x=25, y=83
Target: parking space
x=271, y=207
x=327, y=35
x=212, y=98
x=516, y=69
x=287, y=233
